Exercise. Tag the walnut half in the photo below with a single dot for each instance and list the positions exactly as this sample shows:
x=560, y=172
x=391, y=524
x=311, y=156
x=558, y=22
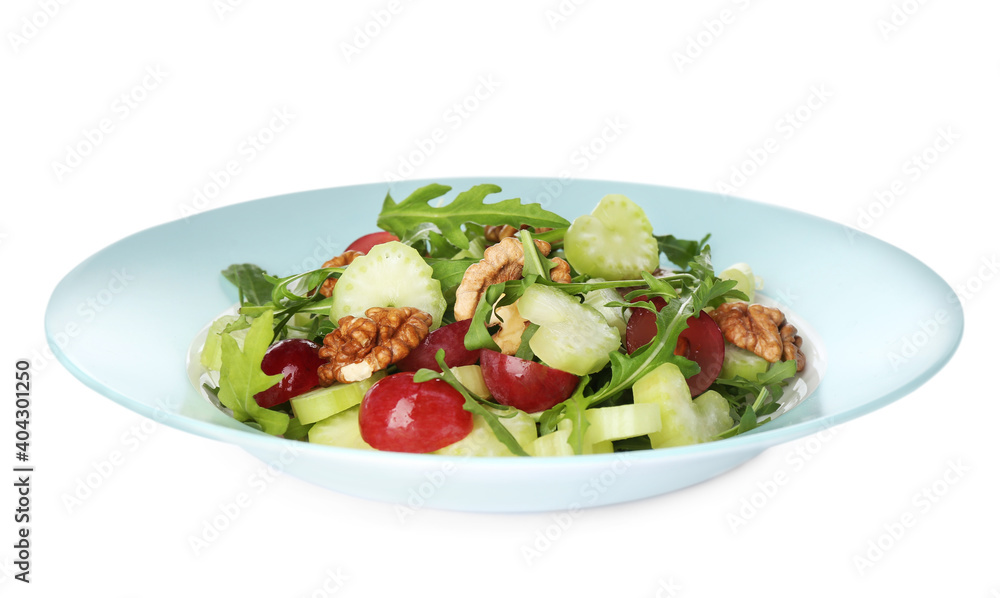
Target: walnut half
x=501, y=262
x=360, y=347
x=762, y=330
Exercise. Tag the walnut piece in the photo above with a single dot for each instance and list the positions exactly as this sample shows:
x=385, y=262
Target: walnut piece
x=340, y=261
x=512, y=326
x=360, y=347
x=501, y=262
x=495, y=234
x=762, y=330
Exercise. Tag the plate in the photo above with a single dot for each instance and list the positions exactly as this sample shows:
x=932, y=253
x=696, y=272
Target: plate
x=838, y=280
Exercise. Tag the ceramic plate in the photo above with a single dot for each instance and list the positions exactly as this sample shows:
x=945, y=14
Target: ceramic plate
x=837, y=282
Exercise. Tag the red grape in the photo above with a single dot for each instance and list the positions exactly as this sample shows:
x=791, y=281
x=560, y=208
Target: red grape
x=527, y=385
x=364, y=244
x=701, y=342
x=296, y=358
x=398, y=414
x=451, y=338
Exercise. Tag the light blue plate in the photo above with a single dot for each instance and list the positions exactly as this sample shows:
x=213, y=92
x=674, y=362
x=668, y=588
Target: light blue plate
x=887, y=321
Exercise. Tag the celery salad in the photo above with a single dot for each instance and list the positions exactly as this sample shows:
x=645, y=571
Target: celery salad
x=502, y=329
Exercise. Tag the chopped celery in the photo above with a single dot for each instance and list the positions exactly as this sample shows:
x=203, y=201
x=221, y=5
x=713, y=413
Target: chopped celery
x=740, y=362
x=471, y=377
x=622, y=421
x=341, y=429
x=683, y=421
x=323, y=402
x=482, y=442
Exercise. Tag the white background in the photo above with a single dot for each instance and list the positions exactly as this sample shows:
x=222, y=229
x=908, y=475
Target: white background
x=887, y=93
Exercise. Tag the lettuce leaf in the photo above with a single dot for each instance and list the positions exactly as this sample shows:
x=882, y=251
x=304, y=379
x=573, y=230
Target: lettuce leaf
x=241, y=377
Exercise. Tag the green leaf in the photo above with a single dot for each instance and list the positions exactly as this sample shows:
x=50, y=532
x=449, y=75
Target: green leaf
x=576, y=405
x=524, y=349
x=680, y=251
x=252, y=282
x=449, y=272
x=241, y=377
x=468, y=206
x=535, y=264
x=478, y=336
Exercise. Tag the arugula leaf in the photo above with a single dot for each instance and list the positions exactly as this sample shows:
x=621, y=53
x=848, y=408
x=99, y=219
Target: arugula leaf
x=252, y=282
x=535, y=264
x=766, y=391
x=241, y=377
x=468, y=206
x=449, y=272
x=576, y=405
x=506, y=293
x=524, y=349
x=680, y=251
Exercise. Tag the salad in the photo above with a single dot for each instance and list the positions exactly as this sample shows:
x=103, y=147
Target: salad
x=502, y=329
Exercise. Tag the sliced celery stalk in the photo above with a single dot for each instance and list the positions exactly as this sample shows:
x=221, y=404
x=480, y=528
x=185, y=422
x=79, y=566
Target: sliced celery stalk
x=471, y=377
x=323, y=402
x=683, y=421
x=341, y=429
x=740, y=362
x=622, y=421
x=482, y=442
x=555, y=444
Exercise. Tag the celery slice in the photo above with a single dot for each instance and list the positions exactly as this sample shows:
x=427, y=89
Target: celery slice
x=622, y=421
x=341, y=429
x=323, y=402
x=482, y=442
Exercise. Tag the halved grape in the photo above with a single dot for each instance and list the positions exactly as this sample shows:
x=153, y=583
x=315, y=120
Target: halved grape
x=614, y=242
x=391, y=275
x=571, y=337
